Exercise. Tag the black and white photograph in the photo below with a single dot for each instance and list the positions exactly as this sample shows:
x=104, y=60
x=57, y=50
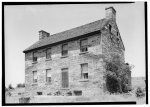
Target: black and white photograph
x=73, y=53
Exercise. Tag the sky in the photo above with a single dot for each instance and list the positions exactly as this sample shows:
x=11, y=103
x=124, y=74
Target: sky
x=22, y=23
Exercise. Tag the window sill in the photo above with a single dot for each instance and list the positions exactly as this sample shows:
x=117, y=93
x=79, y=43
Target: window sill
x=84, y=80
x=48, y=83
x=34, y=84
x=64, y=56
x=64, y=88
x=34, y=62
x=83, y=53
x=48, y=59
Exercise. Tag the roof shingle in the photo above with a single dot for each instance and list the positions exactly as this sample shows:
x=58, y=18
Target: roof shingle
x=68, y=34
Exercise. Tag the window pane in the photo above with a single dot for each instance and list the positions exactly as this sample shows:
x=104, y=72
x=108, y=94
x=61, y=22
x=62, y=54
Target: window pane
x=84, y=49
x=85, y=75
x=84, y=68
x=64, y=47
x=64, y=50
x=35, y=54
x=48, y=73
x=84, y=42
x=48, y=53
x=34, y=76
x=64, y=53
x=48, y=79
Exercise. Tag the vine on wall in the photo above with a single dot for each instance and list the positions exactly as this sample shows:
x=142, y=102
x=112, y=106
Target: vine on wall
x=118, y=75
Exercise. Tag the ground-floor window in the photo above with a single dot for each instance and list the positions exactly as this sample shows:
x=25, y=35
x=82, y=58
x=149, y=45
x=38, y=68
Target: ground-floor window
x=34, y=76
x=84, y=71
x=48, y=76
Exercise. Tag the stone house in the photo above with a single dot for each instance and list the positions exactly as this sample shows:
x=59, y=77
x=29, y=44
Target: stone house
x=72, y=60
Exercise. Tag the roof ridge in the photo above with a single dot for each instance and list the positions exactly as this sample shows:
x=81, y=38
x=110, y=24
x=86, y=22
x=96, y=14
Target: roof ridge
x=78, y=26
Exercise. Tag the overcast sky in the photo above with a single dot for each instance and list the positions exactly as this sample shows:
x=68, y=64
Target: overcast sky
x=22, y=24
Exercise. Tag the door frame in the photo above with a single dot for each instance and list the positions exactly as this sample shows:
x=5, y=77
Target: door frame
x=62, y=79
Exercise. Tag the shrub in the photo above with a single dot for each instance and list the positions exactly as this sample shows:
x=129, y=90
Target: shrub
x=139, y=92
x=112, y=84
x=69, y=93
x=49, y=93
x=118, y=75
x=57, y=93
x=20, y=85
x=10, y=86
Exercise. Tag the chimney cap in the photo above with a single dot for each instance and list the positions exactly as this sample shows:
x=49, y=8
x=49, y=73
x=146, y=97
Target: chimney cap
x=111, y=7
x=43, y=31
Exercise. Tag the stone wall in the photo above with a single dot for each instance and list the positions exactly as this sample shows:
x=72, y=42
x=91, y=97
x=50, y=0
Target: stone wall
x=72, y=62
x=101, y=46
x=112, y=45
x=111, y=42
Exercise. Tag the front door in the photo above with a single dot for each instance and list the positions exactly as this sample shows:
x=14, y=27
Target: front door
x=65, y=79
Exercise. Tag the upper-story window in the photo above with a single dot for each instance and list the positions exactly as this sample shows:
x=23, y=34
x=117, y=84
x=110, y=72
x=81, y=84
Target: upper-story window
x=48, y=53
x=34, y=56
x=84, y=71
x=34, y=76
x=64, y=50
x=84, y=45
x=117, y=34
x=48, y=76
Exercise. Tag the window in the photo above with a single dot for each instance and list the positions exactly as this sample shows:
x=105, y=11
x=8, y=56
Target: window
x=84, y=71
x=34, y=57
x=48, y=53
x=64, y=50
x=117, y=33
x=65, y=78
x=110, y=27
x=77, y=92
x=84, y=45
x=34, y=76
x=39, y=93
x=48, y=76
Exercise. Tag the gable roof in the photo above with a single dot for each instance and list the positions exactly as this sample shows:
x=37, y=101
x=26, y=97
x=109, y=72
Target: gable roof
x=68, y=34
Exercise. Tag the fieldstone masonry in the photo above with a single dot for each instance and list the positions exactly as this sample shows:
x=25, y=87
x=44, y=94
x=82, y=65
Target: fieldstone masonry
x=100, y=45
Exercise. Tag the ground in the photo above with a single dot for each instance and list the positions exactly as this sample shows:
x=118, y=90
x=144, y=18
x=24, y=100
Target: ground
x=131, y=96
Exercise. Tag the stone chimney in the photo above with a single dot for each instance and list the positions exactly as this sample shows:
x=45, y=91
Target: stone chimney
x=43, y=34
x=110, y=13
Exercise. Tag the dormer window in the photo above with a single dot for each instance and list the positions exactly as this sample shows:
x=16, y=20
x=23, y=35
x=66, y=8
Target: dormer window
x=34, y=56
x=84, y=45
x=64, y=50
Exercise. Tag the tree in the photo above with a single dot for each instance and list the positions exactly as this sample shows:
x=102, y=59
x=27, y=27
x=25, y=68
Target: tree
x=118, y=75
